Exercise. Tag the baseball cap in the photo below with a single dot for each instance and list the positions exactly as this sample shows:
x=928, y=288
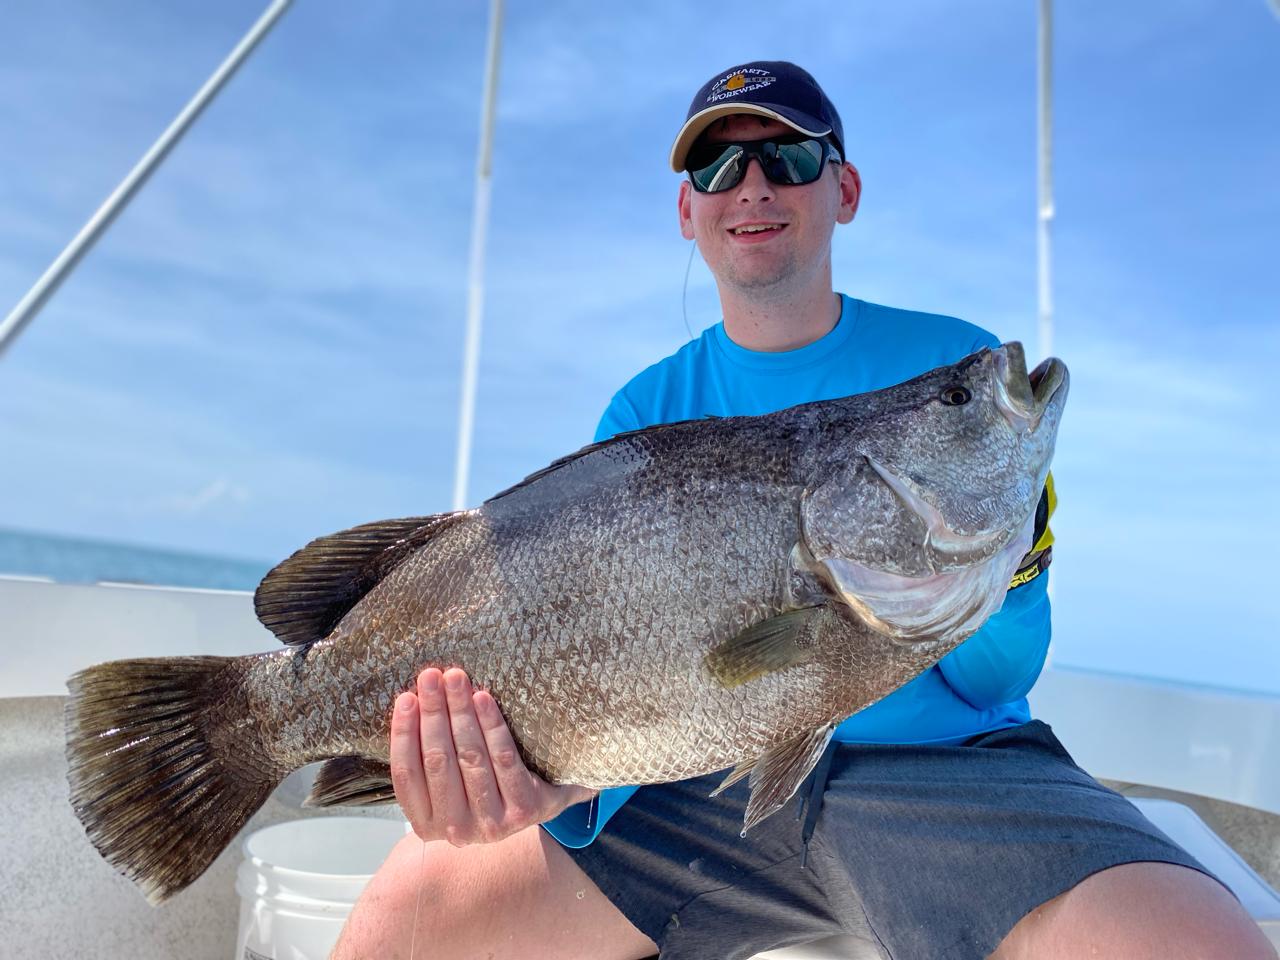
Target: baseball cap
x=769, y=88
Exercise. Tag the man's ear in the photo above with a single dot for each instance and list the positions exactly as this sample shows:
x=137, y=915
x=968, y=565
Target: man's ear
x=850, y=193
x=684, y=204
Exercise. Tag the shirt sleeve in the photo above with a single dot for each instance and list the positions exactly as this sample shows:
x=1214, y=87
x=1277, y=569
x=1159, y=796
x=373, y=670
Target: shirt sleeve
x=579, y=825
x=619, y=417
x=1001, y=662
x=986, y=339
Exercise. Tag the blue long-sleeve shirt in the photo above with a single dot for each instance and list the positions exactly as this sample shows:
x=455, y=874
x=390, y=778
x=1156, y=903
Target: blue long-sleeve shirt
x=978, y=687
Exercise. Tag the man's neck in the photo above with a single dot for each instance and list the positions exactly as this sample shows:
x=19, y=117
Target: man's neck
x=774, y=324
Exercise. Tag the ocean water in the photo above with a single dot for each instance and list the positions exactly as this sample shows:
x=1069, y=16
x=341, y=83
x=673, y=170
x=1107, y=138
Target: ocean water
x=73, y=560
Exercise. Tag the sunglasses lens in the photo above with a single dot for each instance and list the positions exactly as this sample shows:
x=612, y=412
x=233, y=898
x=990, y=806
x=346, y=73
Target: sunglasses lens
x=794, y=163
x=720, y=166
x=716, y=167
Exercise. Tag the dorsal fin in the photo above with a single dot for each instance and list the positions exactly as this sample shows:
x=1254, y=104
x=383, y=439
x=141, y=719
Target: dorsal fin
x=303, y=598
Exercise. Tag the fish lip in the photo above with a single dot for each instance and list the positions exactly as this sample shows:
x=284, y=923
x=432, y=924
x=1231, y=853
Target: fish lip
x=1013, y=394
x=1020, y=397
x=940, y=540
x=1046, y=380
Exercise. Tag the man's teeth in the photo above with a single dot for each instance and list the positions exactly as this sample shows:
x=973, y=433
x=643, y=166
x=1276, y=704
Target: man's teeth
x=756, y=228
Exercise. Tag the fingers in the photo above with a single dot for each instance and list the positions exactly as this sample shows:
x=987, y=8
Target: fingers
x=482, y=796
x=517, y=787
x=407, y=775
x=456, y=769
x=440, y=763
x=526, y=797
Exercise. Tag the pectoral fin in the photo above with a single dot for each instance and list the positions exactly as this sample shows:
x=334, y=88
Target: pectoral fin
x=351, y=782
x=778, y=773
x=763, y=647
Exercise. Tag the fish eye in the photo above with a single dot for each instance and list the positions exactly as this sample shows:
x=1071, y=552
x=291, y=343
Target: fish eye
x=955, y=396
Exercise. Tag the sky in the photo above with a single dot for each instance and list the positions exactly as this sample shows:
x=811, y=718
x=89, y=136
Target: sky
x=266, y=346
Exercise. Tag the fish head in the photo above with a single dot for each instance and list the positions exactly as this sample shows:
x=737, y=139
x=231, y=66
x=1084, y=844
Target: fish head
x=929, y=501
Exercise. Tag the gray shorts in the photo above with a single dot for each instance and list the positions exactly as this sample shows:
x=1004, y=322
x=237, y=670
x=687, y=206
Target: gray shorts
x=926, y=851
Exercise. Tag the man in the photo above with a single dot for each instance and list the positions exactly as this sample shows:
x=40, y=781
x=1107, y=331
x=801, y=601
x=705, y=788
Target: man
x=942, y=822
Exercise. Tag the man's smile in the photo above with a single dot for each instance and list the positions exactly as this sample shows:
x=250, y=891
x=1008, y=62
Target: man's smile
x=756, y=231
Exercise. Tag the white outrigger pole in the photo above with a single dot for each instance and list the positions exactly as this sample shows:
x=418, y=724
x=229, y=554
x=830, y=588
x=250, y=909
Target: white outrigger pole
x=1045, y=160
x=61, y=268
x=475, y=283
x=1044, y=206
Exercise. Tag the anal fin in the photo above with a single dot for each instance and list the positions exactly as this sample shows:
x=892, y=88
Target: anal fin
x=351, y=782
x=737, y=773
x=778, y=773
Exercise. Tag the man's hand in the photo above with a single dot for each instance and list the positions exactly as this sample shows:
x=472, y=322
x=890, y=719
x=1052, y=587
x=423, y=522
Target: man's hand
x=455, y=766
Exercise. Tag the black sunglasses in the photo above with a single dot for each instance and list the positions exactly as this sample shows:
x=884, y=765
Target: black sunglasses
x=786, y=161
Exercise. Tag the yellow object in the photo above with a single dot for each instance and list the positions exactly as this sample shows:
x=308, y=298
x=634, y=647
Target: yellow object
x=1046, y=538
x=1037, y=559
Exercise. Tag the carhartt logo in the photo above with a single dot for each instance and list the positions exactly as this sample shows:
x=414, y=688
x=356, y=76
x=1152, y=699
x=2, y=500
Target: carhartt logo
x=740, y=81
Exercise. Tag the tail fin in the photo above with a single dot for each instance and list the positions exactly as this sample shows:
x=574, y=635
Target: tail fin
x=162, y=775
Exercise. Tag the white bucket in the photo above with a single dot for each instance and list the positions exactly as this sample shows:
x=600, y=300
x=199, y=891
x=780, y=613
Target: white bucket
x=299, y=881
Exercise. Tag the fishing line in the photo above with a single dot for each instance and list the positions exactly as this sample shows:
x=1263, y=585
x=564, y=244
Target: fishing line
x=417, y=904
x=684, y=292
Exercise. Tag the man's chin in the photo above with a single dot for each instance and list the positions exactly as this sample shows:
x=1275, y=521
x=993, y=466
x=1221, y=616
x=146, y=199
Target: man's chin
x=756, y=270
x=761, y=279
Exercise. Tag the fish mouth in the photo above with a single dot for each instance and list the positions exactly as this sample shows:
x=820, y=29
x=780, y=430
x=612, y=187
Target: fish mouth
x=1022, y=398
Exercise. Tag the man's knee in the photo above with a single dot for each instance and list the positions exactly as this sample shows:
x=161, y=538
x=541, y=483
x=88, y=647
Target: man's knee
x=1139, y=910
x=443, y=889
x=383, y=917
x=498, y=898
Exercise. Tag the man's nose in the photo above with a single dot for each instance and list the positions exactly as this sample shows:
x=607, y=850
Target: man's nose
x=754, y=186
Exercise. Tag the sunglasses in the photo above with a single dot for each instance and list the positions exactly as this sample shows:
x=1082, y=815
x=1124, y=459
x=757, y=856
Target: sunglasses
x=786, y=161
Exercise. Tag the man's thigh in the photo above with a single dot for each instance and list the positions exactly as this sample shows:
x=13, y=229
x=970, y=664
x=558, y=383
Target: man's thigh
x=948, y=848
x=519, y=898
x=1139, y=911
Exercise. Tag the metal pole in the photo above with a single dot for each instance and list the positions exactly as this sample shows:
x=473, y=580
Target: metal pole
x=1045, y=151
x=1044, y=211
x=475, y=293
x=61, y=268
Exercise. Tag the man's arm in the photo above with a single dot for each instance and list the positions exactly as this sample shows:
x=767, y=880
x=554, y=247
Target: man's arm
x=1002, y=661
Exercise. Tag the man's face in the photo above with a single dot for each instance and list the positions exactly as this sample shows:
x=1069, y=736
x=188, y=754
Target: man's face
x=803, y=216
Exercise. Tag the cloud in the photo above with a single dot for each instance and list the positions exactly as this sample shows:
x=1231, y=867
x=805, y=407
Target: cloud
x=1165, y=465
x=217, y=491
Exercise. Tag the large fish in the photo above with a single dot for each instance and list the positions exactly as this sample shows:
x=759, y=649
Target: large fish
x=695, y=596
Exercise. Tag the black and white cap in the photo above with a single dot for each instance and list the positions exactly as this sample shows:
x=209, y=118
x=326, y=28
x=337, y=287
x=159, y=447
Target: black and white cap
x=770, y=88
